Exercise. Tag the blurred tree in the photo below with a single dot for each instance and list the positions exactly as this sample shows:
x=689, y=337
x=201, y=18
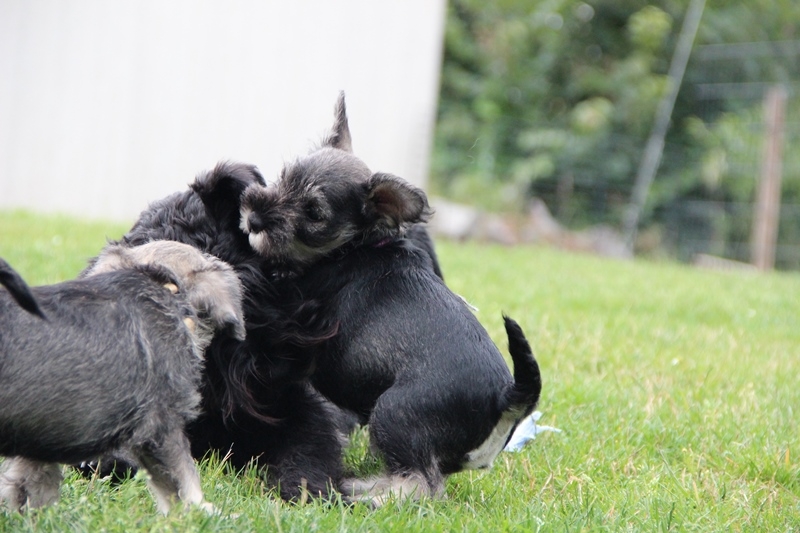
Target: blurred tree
x=550, y=96
x=556, y=99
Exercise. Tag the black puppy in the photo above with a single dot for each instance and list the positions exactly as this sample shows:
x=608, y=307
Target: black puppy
x=257, y=403
x=311, y=211
x=409, y=357
x=139, y=327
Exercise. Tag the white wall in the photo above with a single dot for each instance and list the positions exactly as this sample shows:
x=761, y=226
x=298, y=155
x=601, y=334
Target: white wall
x=108, y=105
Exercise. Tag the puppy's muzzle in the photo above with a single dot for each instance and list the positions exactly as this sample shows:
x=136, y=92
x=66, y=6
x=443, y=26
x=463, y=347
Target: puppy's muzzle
x=256, y=223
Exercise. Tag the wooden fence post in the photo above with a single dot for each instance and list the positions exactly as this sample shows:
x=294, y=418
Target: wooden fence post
x=768, y=195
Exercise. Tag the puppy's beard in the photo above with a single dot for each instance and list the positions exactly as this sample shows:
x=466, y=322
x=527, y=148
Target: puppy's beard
x=261, y=244
x=295, y=254
x=244, y=216
x=301, y=253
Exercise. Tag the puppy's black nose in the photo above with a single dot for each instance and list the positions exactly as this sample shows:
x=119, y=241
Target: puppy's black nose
x=256, y=223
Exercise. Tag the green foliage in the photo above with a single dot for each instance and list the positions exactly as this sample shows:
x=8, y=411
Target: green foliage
x=649, y=28
x=50, y=248
x=556, y=99
x=676, y=390
x=536, y=93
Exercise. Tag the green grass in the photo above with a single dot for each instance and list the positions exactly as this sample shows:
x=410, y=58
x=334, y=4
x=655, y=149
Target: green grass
x=678, y=391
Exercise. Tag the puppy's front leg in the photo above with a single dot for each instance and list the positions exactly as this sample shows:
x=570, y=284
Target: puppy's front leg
x=173, y=473
x=25, y=482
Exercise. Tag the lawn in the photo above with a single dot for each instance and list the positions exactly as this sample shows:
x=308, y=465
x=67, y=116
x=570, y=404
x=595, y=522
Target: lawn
x=677, y=390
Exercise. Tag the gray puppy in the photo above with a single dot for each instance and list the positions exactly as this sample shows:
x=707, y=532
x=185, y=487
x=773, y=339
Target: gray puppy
x=138, y=324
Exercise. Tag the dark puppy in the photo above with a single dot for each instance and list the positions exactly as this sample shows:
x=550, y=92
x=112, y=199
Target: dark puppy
x=257, y=402
x=139, y=328
x=409, y=357
x=312, y=211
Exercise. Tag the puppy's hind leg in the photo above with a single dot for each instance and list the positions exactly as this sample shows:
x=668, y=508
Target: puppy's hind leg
x=406, y=446
x=25, y=482
x=173, y=474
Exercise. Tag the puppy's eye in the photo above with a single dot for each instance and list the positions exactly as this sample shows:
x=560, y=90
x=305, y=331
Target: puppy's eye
x=313, y=213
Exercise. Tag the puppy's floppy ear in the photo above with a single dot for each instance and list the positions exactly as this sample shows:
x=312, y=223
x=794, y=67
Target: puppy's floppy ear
x=394, y=199
x=219, y=294
x=339, y=136
x=221, y=189
x=231, y=323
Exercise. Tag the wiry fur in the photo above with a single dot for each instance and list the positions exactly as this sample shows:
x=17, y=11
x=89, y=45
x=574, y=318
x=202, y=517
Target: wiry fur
x=207, y=283
x=326, y=200
x=131, y=325
x=257, y=402
x=409, y=357
x=413, y=362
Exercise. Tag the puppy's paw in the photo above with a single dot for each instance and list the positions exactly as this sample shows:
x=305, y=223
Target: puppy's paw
x=209, y=508
x=379, y=490
x=12, y=494
x=27, y=483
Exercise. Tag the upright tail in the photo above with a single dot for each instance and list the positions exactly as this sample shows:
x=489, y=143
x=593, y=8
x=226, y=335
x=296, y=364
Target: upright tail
x=524, y=394
x=19, y=290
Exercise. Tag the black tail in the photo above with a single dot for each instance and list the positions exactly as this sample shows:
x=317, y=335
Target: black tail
x=524, y=394
x=18, y=289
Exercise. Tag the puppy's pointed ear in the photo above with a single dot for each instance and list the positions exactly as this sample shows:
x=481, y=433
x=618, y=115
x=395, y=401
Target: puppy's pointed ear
x=395, y=200
x=339, y=136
